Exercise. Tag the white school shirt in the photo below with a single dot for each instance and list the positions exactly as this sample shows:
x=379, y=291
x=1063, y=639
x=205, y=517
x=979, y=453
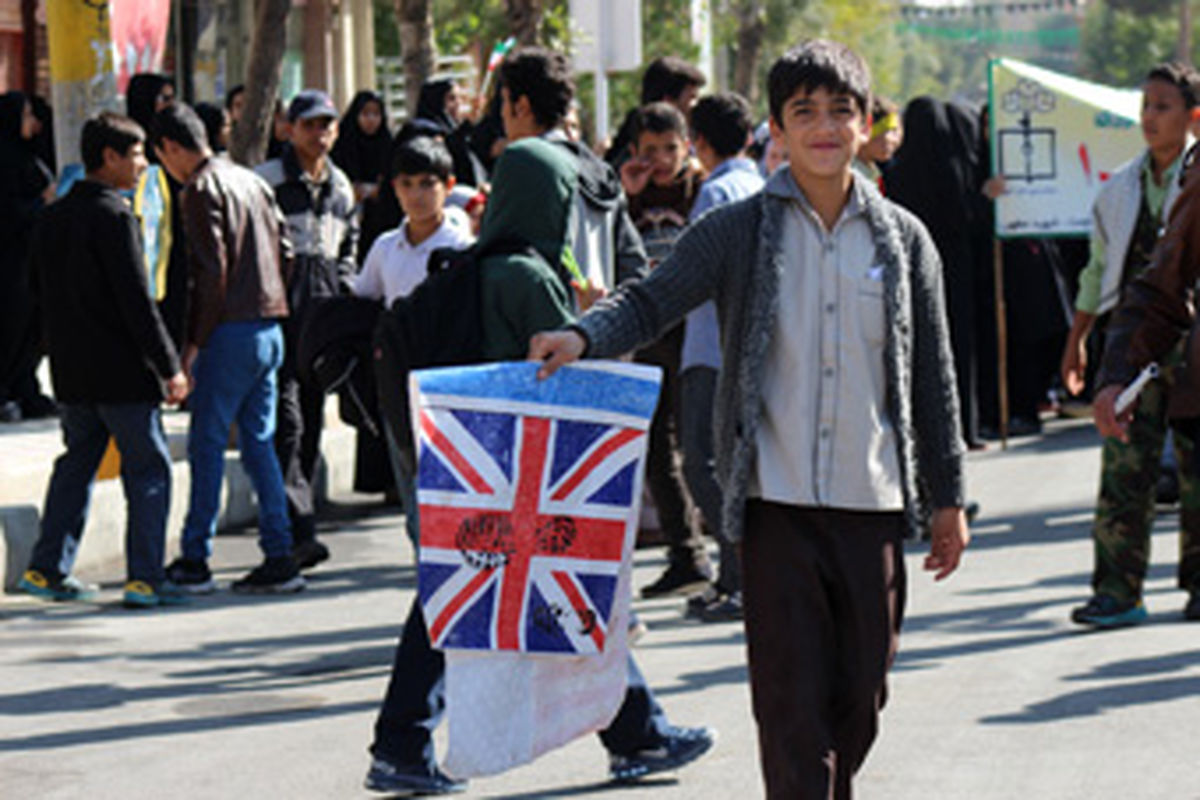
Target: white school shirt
x=826, y=438
x=394, y=267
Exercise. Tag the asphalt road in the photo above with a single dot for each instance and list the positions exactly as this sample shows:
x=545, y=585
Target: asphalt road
x=995, y=694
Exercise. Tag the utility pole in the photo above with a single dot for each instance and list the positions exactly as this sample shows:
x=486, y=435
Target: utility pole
x=1183, y=51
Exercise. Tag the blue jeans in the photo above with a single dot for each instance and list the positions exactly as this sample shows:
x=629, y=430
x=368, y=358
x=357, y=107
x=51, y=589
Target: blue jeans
x=235, y=381
x=145, y=477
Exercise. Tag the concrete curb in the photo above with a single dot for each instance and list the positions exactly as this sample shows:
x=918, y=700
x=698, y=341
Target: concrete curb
x=104, y=535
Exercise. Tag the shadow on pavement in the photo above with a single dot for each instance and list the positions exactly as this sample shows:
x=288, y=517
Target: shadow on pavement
x=588, y=789
x=1100, y=699
x=312, y=708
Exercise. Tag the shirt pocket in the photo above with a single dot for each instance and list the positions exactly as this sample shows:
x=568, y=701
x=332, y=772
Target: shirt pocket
x=869, y=307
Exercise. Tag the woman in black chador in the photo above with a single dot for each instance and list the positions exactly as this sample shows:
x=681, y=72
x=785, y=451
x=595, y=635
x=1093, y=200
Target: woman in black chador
x=441, y=103
x=26, y=186
x=936, y=174
x=362, y=151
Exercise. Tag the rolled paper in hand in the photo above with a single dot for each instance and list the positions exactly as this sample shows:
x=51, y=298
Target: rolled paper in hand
x=1126, y=398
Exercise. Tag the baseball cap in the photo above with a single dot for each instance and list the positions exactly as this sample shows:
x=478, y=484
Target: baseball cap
x=309, y=104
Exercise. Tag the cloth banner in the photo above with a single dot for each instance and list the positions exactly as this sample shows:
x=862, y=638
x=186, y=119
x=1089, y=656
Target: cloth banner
x=528, y=493
x=1055, y=139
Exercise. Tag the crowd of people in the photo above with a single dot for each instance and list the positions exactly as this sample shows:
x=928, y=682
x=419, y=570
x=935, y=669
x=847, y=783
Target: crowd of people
x=817, y=290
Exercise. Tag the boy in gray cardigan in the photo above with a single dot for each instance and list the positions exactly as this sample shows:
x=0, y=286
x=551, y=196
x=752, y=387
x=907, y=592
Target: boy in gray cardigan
x=836, y=401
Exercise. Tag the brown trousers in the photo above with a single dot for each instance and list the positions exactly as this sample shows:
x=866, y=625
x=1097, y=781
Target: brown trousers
x=824, y=597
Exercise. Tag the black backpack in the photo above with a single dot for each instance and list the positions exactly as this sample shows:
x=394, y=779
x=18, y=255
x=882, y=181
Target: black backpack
x=439, y=324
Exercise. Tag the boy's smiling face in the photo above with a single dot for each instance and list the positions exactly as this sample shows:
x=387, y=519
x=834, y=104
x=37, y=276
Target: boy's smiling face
x=822, y=132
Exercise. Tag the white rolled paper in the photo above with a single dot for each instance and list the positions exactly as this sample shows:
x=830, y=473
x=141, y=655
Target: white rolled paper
x=1126, y=398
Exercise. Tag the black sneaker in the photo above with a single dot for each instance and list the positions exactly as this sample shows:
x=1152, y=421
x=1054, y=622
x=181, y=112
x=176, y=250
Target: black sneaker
x=701, y=600
x=681, y=747
x=309, y=553
x=191, y=576
x=384, y=776
x=677, y=579
x=273, y=576
x=1105, y=611
x=727, y=609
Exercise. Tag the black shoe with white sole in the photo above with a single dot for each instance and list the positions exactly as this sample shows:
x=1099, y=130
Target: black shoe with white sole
x=273, y=576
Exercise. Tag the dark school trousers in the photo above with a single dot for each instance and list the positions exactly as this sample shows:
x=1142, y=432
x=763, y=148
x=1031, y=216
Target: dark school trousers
x=823, y=593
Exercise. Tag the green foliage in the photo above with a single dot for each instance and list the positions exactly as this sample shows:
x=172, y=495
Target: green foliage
x=387, y=34
x=1121, y=44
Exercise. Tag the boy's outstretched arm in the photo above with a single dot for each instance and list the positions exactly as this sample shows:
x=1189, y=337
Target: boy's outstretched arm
x=555, y=348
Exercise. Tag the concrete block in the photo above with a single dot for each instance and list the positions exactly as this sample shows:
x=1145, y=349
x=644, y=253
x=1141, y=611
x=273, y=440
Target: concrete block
x=18, y=533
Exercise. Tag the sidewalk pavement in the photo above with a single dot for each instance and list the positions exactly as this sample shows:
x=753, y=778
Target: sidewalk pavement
x=995, y=694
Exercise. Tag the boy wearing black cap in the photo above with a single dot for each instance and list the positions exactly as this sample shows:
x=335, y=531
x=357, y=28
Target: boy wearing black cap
x=318, y=200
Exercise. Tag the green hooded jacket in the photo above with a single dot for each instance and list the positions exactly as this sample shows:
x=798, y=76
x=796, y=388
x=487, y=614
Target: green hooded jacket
x=533, y=186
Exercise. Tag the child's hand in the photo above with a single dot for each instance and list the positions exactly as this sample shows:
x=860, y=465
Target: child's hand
x=635, y=174
x=587, y=294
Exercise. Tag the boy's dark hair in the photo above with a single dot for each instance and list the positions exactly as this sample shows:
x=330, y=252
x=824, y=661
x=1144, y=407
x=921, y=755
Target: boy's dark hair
x=1180, y=75
x=232, y=95
x=420, y=155
x=882, y=106
x=818, y=64
x=108, y=130
x=724, y=120
x=659, y=118
x=668, y=77
x=183, y=126
x=544, y=76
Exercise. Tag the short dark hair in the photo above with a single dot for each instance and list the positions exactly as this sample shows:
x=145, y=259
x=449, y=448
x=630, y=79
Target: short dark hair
x=544, y=76
x=110, y=130
x=421, y=155
x=1180, y=75
x=668, y=77
x=659, y=118
x=232, y=95
x=183, y=126
x=724, y=120
x=882, y=106
x=818, y=64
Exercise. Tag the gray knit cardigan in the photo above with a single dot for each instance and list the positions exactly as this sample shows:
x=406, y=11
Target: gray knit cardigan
x=733, y=255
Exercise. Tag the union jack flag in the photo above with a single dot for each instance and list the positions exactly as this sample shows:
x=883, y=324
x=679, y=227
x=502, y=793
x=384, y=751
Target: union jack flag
x=528, y=492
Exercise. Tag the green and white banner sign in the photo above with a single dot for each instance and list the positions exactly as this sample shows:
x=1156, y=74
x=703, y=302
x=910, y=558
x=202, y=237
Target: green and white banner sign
x=1056, y=139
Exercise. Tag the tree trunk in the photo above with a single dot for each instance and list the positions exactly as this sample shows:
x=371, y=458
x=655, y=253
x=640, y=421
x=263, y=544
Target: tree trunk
x=417, y=50
x=525, y=19
x=249, y=143
x=752, y=29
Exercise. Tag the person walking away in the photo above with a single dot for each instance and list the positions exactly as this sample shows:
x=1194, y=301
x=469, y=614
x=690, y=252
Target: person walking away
x=520, y=294
x=235, y=248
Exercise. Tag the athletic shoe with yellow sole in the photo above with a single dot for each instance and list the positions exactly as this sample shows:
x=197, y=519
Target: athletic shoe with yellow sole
x=62, y=589
x=139, y=594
